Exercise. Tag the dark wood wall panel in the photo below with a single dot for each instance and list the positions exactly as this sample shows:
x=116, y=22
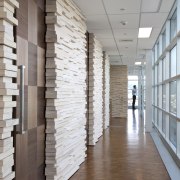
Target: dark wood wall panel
x=30, y=147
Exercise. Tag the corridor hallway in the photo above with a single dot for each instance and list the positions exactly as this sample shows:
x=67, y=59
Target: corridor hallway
x=124, y=152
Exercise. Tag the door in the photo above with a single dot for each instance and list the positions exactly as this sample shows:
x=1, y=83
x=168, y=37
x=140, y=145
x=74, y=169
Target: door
x=30, y=146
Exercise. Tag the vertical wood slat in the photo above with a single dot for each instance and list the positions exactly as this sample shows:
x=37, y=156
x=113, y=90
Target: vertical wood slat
x=8, y=89
x=66, y=89
x=95, y=90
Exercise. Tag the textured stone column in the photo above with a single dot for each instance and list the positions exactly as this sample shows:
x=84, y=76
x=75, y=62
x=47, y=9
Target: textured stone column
x=8, y=89
x=66, y=89
x=95, y=90
x=119, y=90
x=106, y=90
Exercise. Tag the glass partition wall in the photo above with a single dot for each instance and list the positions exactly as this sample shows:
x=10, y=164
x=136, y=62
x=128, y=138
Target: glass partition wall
x=166, y=81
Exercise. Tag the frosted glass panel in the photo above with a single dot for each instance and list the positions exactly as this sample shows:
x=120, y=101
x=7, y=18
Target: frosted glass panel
x=173, y=62
x=164, y=96
x=160, y=72
x=163, y=123
x=157, y=95
x=155, y=115
x=157, y=50
x=164, y=68
x=173, y=131
x=163, y=40
x=156, y=75
x=173, y=97
x=173, y=25
x=159, y=117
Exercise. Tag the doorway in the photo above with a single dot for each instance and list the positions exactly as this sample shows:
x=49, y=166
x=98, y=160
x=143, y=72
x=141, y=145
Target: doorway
x=30, y=37
x=132, y=80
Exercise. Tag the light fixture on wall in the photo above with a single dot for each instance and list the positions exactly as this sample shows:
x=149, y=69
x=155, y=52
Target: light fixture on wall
x=145, y=32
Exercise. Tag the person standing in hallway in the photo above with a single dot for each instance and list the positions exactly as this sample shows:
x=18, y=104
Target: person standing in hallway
x=134, y=92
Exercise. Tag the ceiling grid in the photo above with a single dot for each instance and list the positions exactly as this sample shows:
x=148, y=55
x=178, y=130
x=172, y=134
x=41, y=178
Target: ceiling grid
x=116, y=24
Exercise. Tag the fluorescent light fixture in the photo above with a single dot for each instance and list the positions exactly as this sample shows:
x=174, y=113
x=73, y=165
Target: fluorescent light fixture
x=145, y=32
x=137, y=63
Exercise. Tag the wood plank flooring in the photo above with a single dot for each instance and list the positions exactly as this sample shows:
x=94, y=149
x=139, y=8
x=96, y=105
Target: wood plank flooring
x=124, y=152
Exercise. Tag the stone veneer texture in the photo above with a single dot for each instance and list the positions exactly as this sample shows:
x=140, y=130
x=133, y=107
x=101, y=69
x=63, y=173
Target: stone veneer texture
x=118, y=90
x=95, y=90
x=66, y=89
x=8, y=89
x=106, y=90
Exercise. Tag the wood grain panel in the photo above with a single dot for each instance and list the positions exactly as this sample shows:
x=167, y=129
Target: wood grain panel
x=32, y=64
x=22, y=16
x=31, y=53
x=32, y=107
x=33, y=21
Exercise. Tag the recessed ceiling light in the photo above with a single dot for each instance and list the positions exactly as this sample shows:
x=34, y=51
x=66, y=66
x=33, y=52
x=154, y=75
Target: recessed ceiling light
x=122, y=9
x=137, y=63
x=145, y=32
x=123, y=23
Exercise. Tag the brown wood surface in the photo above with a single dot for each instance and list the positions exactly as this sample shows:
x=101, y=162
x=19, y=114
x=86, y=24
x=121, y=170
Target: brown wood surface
x=124, y=152
x=30, y=147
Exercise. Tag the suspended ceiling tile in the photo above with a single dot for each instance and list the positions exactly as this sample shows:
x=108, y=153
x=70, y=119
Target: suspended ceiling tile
x=166, y=5
x=112, y=52
x=126, y=33
x=90, y=7
x=108, y=42
x=148, y=43
x=115, y=6
x=97, y=22
x=102, y=33
x=115, y=57
x=151, y=5
x=155, y=20
x=143, y=44
x=127, y=52
x=131, y=19
x=125, y=43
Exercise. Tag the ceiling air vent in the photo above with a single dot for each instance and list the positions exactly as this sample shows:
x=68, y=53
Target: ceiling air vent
x=126, y=40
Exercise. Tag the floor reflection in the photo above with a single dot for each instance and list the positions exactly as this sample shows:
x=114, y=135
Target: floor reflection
x=124, y=152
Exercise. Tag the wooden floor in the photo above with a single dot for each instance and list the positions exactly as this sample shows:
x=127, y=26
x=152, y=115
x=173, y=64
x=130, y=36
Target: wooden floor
x=124, y=152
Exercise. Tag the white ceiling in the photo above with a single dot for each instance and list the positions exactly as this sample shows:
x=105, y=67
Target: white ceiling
x=104, y=17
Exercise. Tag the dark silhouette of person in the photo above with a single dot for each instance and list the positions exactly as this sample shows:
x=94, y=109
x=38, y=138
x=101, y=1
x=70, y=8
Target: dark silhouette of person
x=134, y=92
